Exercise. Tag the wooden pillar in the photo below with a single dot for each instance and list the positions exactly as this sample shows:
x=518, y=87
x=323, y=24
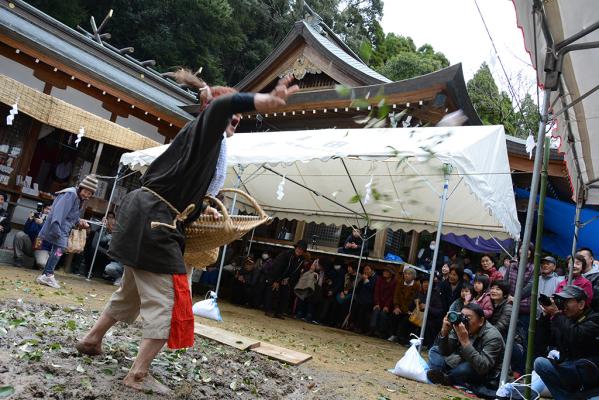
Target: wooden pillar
x=299, y=230
x=31, y=141
x=380, y=240
x=413, y=254
x=94, y=170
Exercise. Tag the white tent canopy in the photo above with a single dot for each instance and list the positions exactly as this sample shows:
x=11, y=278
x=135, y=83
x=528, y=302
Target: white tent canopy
x=579, y=75
x=404, y=165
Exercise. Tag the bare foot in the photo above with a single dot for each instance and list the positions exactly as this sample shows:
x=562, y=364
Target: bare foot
x=145, y=383
x=90, y=349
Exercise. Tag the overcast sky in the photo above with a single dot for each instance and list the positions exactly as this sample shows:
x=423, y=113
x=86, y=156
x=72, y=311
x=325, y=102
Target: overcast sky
x=456, y=29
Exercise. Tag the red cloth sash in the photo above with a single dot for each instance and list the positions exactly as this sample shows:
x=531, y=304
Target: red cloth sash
x=182, y=322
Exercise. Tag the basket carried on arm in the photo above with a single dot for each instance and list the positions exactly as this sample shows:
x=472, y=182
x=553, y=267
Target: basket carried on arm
x=206, y=235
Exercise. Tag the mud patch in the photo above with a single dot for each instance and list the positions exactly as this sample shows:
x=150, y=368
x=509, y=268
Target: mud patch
x=38, y=360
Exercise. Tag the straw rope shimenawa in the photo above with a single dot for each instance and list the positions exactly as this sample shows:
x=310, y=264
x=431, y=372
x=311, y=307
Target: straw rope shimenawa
x=62, y=115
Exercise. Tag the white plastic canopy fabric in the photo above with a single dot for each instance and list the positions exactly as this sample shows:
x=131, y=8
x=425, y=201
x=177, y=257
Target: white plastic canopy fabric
x=405, y=166
x=565, y=18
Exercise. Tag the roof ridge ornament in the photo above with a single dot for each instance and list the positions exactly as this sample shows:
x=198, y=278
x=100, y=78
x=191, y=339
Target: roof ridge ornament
x=312, y=18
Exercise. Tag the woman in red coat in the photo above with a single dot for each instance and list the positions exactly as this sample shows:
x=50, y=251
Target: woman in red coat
x=487, y=264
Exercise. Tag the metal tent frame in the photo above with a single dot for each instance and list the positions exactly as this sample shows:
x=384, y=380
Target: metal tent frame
x=553, y=63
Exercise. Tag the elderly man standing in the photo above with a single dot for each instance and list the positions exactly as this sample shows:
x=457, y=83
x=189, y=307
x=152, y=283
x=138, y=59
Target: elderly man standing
x=575, y=333
x=65, y=215
x=469, y=350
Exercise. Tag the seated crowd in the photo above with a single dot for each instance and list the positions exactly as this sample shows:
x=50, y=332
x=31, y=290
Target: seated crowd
x=469, y=313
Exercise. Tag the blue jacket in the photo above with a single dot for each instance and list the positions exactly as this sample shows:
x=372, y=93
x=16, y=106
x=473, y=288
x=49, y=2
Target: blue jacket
x=32, y=229
x=65, y=214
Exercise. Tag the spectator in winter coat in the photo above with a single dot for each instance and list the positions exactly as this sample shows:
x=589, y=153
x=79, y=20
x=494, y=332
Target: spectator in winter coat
x=452, y=287
x=466, y=296
x=502, y=311
x=406, y=291
x=591, y=267
x=548, y=281
x=364, y=300
x=332, y=285
x=343, y=299
x=481, y=294
x=65, y=215
x=577, y=278
x=511, y=276
x=4, y=220
x=487, y=265
x=383, y=303
x=278, y=292
x=467, y=353
x=435, y=311
x=502, y=308
x=304, y=290
x=24, y=242
x=353, y=244
x=575, y=329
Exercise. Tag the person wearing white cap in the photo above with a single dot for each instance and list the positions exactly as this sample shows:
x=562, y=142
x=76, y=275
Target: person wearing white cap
x=65, y=215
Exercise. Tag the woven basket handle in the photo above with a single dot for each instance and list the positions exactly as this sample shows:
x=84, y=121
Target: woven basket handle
x=249, y=198
x=222, y=208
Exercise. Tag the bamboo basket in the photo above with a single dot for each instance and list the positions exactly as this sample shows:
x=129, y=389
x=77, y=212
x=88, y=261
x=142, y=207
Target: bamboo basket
x=206, y=235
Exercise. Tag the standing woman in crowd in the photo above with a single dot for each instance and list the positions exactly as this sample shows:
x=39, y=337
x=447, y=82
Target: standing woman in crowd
x=487, y=265
x=451, y=288
x=481, y=294
x=149, y=239
x=578, y=279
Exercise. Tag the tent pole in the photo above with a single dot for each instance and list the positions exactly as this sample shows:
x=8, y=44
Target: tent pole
x=224, y=252
x=579, y=199
x=532, y=324
x=116, y=179
x=351, y=302
x=523, y=260
x=446, y=170
x=250, y=244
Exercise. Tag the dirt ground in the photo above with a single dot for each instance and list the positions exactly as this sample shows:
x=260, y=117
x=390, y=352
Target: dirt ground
x=39, y=325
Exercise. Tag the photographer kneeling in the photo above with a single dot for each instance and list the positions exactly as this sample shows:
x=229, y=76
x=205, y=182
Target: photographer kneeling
x=469, y=350
x=574, y=333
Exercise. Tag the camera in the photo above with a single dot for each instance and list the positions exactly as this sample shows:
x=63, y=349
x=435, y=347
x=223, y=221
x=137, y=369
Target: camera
x=560, y=302
x=544, y=300
x=39, y=209
x=456, y=318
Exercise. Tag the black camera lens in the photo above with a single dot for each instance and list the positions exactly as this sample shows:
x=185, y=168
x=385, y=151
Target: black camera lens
x=454, y=317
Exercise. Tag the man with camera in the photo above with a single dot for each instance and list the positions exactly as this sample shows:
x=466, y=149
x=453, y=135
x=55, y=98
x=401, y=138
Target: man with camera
x=575, y=335
x=24, y=242
x=469, y=349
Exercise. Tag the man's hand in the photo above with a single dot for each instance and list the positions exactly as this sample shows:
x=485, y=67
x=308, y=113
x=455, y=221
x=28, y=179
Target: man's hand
x=397, y=311
x=275, y=286
x=422, y=306
x=510, y=299
x=83, y=224
x=377, y=307
x=462, y=334
x=277, y=98
x=213, y=212
x=385, y=309
x=550, y=310
x=446, y=327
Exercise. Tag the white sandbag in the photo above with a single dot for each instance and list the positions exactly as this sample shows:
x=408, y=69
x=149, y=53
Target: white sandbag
x=207, y=308
x=412, y=365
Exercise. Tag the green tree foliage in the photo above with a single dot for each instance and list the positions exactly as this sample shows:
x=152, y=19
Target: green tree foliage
x=496, y=108
x=229, y=38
